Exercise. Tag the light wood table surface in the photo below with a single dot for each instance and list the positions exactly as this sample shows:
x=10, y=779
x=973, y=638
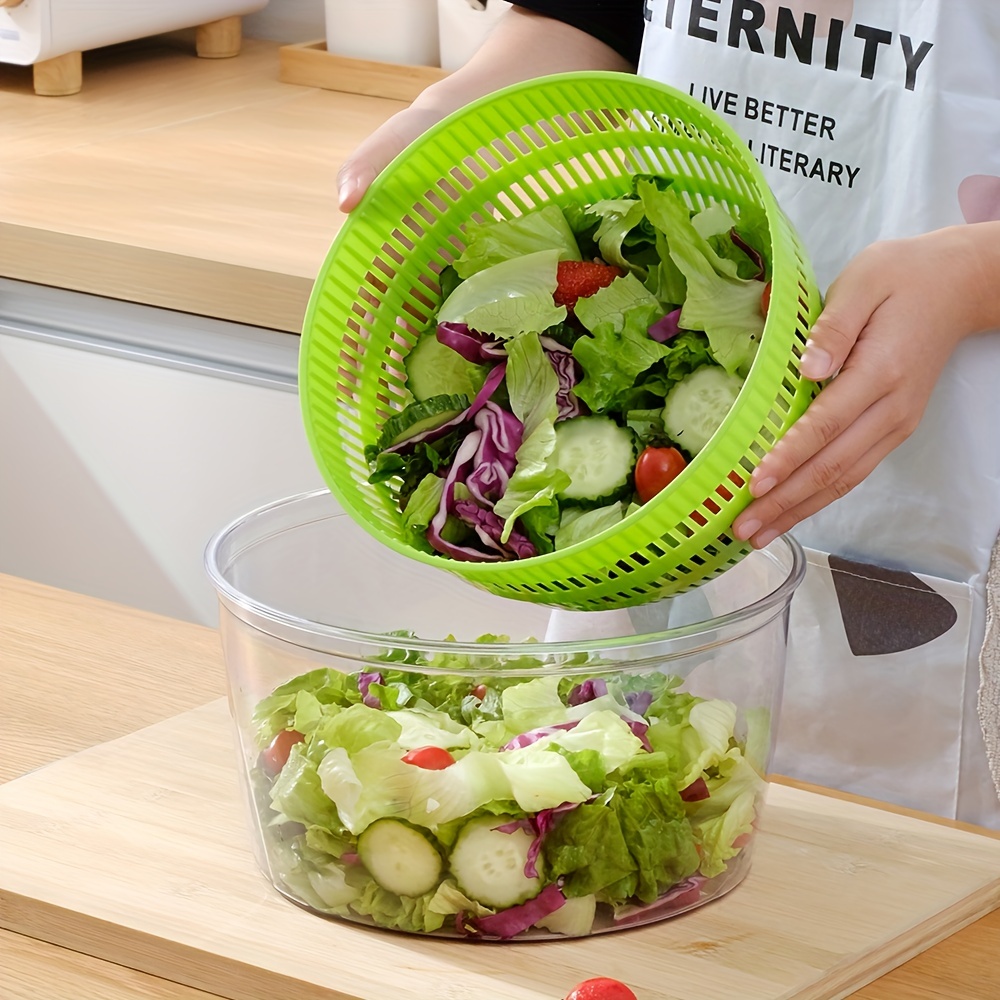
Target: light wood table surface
x=76, y=671
x=203, y=185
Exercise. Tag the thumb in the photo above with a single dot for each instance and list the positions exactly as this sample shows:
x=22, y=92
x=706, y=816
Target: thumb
x=354, y=179
x=375, y=153
x=850, y=303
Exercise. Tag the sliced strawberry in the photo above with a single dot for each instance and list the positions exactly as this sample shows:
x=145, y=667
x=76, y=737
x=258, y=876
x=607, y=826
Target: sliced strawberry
x=579, y=278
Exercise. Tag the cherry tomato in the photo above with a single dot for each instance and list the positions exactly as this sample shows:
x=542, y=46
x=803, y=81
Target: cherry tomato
x=274, y=758
x=765, y=300
x=429, y=758
x=656, y=468
x=479, y=691
x=601, y=988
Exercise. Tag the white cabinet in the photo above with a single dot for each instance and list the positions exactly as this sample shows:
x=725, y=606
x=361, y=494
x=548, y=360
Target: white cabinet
x=128, y=435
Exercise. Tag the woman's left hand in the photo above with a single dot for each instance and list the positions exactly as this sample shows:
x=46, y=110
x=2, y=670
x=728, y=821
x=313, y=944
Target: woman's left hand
x=891, y=321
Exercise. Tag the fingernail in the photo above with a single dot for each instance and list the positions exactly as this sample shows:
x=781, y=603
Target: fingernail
x=346, y=195
x=816, y=364
x=758, y=489
x=746, y=529
x=765, y=538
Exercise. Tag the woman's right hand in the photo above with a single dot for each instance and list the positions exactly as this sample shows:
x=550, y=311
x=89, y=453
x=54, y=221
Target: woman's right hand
x=523, y=45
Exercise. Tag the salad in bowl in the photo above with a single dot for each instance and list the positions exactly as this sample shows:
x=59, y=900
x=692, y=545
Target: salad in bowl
x=424, y=794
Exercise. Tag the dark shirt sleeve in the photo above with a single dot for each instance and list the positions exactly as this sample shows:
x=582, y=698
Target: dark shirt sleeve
x=617, y=23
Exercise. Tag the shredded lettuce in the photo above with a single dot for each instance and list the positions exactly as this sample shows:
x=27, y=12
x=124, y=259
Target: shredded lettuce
x=594, y=765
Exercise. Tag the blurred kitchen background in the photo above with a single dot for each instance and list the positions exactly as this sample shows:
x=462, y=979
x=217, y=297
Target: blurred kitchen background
x=130, y=433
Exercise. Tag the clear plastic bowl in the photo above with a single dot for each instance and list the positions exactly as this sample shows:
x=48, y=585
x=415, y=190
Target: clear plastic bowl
x=421, y=755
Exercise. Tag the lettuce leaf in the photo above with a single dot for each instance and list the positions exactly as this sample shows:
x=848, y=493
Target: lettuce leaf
x=490, y=243
x=725, y=306
x=588, y=850
x=719, y=821
x=619, y=216
x=636, y=843
x=533, y=704
x=420, y=727
x=277, y=711
x=533, y=386
x=297, y=794
x=403, y=913
x=655, y=827
x=612, y=303
x=421, y=507
x=509, y=298
x=614, y=357
x=577, y=525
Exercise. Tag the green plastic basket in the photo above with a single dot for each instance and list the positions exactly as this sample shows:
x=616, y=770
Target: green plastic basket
x=576, y=137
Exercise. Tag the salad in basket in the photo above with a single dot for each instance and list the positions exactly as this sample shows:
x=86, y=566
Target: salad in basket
x=501, y=807
x=579, y=359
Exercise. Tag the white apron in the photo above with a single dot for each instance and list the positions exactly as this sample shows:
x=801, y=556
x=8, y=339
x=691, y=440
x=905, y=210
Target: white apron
x=875, y=120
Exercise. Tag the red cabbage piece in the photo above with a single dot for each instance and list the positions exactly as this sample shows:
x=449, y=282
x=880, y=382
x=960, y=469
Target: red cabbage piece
x=696, y=791
x=639, y=701
x=514, y=825
x=471, y=344
x=534, y=735
x=538, y=826
x=568, y=371
x=543, y=821
x=489, y=528
x=640, y=729
x=666, y=328
x=587, y=691
x=484, y=463
x=517, y=919
x=753, y=254
x=365, y=681
x=496, y=457
x=680, y=896
x=460, y=469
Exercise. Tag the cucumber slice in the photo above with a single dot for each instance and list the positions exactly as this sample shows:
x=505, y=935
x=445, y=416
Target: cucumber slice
x=433, y=369
x=598, y=456
x=489, y=865
x=575, y=918
x=400, y=858
x=697, y=405
x=423, y=415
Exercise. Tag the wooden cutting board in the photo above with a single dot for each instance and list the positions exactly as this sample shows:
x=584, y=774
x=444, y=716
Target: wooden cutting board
x=136, y=851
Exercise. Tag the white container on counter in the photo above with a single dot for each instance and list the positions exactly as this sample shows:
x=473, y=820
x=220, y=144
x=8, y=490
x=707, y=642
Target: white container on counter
x=394, y=31
x=35, y=30
x=464, y=25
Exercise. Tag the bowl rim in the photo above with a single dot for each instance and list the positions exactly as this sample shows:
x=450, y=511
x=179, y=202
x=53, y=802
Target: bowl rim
x=776, y=600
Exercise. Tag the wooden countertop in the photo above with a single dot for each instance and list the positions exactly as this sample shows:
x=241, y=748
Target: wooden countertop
x=203, y=185
x=77, y=671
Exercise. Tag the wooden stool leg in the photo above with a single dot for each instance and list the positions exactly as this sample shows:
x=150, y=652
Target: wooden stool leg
x=219, y=39
x=60, y=76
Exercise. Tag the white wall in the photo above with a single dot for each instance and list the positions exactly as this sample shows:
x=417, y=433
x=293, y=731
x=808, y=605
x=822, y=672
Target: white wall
x=288, y=21
x=114, y=473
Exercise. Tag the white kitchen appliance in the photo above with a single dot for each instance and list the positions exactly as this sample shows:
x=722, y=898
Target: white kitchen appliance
x=35, y=32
